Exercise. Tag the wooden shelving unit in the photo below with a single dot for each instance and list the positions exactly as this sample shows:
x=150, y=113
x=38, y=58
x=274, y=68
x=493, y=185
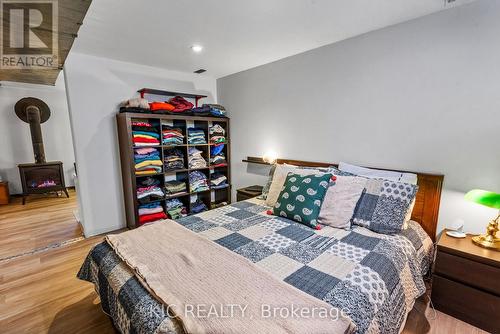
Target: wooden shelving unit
x=130, y=179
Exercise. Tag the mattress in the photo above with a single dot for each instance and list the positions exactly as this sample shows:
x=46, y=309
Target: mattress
x=374, y=278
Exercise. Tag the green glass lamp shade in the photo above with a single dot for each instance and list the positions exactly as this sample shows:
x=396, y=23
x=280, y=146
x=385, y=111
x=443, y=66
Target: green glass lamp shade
x=484, y=197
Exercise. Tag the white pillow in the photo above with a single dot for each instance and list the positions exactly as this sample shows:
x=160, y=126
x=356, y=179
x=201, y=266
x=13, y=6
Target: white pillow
x=279, y=179
x=340, y=201
x=372, y=173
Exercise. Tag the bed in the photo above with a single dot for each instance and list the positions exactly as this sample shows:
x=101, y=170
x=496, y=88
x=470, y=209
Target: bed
x=374, y=277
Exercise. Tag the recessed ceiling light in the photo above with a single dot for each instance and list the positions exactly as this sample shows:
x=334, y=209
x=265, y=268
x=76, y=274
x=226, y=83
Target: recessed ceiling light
x=197, y=48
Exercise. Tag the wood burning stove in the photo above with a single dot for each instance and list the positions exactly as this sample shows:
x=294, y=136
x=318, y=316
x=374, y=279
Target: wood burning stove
x=41, y=176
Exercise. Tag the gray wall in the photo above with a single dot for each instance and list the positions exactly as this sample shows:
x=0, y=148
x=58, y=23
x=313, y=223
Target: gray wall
x=422, y=95
x=15, y=135
x=96, y=86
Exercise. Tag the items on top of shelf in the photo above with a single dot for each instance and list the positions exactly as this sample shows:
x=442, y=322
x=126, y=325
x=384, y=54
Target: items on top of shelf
x=217, y=157
x=173, y=159
x=151, y=212
x=196, y=136
x=161, y=106
x=201, y=111
x=147, y=161
x=149, y=190
x=195, y=158
x=175, y=187
x=180, y=104
x=144, y=133
x=218, y=181
x=198, y=181
x=198, y=206
x=175, y=208
x=217, y=134
x=216, y=109
x=172, y=136
x=137, y=102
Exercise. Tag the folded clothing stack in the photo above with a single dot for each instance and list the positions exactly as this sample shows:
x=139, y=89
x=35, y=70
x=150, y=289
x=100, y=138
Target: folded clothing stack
x=135, y=105
x=201, y=111
x=196, y=136
x=151, y=212
x=147, y=161
x=195, y=159
x=216, y=110
x=176, y=209
x=198, y=206
x=160, y=107
x=181, y=105
x=217, y=134
x=172, y=136
x=175, y=187
x=217, y=157
x=147, y=194
x=144, y=133
x=173, y=159
x=218, y=181
x=197, y=181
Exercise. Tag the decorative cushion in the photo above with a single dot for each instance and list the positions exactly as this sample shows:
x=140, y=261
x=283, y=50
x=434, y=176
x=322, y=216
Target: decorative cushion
x=340, y=201
x=372, y=173
x=279, y=178
x=384, y=205
x=301, y=198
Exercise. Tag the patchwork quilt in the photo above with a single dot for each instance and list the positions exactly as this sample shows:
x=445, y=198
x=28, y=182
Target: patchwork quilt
x=374, y=278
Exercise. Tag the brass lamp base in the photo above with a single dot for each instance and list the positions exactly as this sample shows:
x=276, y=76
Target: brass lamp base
x=489, y=240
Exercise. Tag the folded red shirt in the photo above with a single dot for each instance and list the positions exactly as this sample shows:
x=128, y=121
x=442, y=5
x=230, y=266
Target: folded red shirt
x=152, y=217
x=161, y=106
x=145, y=140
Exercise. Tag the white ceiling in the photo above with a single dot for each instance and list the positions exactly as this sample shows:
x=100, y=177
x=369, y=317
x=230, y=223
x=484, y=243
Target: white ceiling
x=236, y=34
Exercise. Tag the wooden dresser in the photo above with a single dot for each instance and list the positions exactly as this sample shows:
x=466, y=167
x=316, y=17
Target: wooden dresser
x=466, y=282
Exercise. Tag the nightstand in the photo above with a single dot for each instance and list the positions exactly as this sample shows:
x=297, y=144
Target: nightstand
x=248, y=192
x=466, y=282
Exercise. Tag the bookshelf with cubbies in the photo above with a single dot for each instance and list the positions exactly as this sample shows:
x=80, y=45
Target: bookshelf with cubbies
x=213, y=196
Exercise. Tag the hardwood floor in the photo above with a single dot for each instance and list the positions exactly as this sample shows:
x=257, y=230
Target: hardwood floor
x=43, y=221
x=39, y=292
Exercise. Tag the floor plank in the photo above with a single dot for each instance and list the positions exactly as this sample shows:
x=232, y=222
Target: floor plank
x=43, y=221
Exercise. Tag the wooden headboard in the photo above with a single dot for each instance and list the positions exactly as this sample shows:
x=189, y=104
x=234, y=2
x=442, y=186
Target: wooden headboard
x=426, y=208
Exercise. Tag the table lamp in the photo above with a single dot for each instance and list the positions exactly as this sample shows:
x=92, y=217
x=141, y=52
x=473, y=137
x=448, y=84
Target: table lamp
x=492, y=200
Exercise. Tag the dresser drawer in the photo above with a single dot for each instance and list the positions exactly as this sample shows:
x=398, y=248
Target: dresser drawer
x=466, y=303
x=472, y=273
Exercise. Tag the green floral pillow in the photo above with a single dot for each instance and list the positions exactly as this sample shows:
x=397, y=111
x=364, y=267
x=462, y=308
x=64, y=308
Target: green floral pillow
x=301, y=198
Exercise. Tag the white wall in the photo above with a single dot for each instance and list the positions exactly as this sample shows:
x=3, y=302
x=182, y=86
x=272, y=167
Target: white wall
x=96, y=86
x=422, y=96
x=15, y=135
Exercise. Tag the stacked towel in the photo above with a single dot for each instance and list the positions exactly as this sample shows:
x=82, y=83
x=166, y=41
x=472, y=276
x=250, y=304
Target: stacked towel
x=198, y=207
x=195, y=159
x=217, y=157
x=197, y=181
x=173, y=159
x=216, y=110
x=217, y=134
x=175, y=187
x=172, y=136
x=147, y=161
x=196, y=136
x=218, y=181
x=144, y=133
x=176, y=209
x=151, y=212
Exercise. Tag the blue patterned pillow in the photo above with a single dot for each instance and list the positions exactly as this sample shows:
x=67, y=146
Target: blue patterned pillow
x=384, y=205
x=301, y=198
